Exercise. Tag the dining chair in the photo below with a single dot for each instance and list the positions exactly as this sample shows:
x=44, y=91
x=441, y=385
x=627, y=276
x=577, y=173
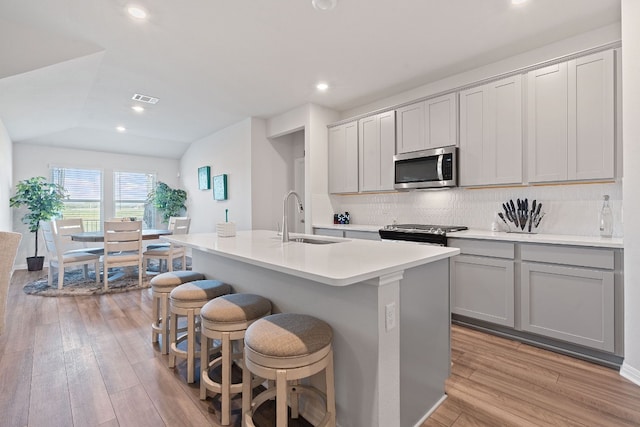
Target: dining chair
x=64, y=228
x=122, y=247
x=171, y=251
x=171, y=226
x=9, y=242
x=59, y=259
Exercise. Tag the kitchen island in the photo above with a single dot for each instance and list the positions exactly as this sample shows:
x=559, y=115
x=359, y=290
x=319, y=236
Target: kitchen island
x=388, y=304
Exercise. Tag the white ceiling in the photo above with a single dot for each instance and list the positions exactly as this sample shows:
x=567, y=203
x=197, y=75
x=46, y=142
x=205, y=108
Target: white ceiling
x=68, y=68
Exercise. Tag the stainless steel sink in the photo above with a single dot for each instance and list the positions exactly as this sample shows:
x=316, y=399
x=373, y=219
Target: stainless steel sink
x=312, y=241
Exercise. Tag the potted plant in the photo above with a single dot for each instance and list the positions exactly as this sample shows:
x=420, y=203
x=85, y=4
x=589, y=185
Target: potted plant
x=170, y=202
x=44, y=200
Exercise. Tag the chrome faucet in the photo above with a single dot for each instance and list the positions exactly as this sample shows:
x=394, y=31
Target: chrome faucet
x=285, y=225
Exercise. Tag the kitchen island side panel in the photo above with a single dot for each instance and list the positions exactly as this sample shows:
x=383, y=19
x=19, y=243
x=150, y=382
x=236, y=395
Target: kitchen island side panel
x=425, y=327
x=353, y=312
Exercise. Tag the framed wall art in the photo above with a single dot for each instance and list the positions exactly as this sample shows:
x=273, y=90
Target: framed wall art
x=220, y=187
x=204, y=178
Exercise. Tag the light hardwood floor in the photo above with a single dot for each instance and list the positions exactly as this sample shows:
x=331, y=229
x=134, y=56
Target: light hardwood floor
x=499, y=382
x=88, y=361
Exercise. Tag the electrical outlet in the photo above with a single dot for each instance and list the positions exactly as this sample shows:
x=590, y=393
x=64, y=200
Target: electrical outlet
x=390, y=316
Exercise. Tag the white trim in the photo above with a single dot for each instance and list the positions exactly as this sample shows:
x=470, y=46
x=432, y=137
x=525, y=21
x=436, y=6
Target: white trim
x=431, y=411
x=630, y=373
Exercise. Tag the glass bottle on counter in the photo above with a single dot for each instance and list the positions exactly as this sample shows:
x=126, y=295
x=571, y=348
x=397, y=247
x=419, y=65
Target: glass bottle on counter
x=606, y=218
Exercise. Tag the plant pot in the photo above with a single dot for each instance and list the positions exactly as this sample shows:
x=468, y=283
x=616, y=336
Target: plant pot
x=35, y=263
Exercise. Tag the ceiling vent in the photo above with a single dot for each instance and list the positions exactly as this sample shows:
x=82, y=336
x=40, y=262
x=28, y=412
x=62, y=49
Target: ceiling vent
x=145, y=98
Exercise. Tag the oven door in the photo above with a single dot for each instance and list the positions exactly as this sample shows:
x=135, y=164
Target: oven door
x=426, y=169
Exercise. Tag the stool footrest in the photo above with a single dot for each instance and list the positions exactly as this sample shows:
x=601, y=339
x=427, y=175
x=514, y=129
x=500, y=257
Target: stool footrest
x=270, y=394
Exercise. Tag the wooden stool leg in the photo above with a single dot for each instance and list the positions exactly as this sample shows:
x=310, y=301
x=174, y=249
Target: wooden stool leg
x=155, y=315
x=165, y=315
x=331, y=393
x=281, y=399
x=294, y=401
x=191, y=346
x=173, y=331
x=226, y=378
x=205, y=343
x=247, y=392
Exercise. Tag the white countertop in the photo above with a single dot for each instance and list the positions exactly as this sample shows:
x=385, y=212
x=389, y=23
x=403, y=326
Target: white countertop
x=350, y=227
x=337, y=264
x=554, y=239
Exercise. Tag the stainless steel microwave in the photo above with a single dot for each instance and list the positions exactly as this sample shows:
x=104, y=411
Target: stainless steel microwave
x=436, y=168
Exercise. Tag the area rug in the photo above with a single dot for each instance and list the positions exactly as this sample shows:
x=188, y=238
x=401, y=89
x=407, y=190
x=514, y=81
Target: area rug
x=76, y=285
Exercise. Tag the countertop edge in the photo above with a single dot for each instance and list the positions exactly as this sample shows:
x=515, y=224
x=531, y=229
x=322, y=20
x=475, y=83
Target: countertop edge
x=551, y=239
x=325, y=279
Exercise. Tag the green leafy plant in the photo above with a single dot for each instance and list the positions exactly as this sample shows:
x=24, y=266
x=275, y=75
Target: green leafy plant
x=169, y=201
x=44, y=200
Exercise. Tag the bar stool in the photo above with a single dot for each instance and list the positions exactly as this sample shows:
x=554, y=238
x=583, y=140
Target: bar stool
x=187, y=300
x=288, y=347
x=226, y=318
x=161, y=287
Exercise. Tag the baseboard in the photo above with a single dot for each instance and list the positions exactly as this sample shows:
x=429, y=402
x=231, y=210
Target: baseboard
x=20, y=266
x=431, y=411
x=630, y=373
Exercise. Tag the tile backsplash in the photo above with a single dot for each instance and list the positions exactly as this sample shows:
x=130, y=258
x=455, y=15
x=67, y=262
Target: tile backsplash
x=572, y=209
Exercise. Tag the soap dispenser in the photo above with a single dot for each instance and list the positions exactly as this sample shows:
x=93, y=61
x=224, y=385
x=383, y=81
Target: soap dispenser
x=606, y=218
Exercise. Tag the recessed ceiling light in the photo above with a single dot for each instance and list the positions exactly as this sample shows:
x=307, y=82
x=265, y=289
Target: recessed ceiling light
x=137, y=108
x=324, y=4
x=137, y=12
x=144, y=98
x=518, y=2
x=121, y=129
x=322, y=86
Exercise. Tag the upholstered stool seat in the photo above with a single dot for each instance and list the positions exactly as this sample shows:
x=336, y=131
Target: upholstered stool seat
x=161, y=287
x=226, y=318
x=288, y=347
x=187, y=300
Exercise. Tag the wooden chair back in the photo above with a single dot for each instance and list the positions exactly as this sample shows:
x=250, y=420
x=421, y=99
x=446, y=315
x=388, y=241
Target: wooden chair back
x=9, y=243
x=181, y=225
x=173, y=219
x=50, y=238
x=64, y=228
x=122, y=236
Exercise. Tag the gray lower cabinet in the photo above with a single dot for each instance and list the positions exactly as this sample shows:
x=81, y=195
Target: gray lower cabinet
x=483, y=288
x=349, y=234
x=332, y=232
x=565, y=293
x=569, y=303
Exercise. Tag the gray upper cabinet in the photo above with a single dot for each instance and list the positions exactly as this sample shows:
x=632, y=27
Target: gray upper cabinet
x=377, y=139
x=343, y=158
x=427, y=124
x=491, y=133
x=570, y=120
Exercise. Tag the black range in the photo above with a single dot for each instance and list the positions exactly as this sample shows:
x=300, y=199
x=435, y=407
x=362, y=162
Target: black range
x=421, y=233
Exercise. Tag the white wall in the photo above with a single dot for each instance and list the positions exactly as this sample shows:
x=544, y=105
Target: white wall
x=631, y=136
x=226, y=152
x=314, y=120
x=271, y=176
x=6, y=178
x=35, y=160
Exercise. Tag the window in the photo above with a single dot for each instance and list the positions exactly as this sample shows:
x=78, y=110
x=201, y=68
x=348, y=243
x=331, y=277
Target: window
x=130, y=191
x=84, y=189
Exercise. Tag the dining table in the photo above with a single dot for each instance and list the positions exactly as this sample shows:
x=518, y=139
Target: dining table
x=98, y=236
